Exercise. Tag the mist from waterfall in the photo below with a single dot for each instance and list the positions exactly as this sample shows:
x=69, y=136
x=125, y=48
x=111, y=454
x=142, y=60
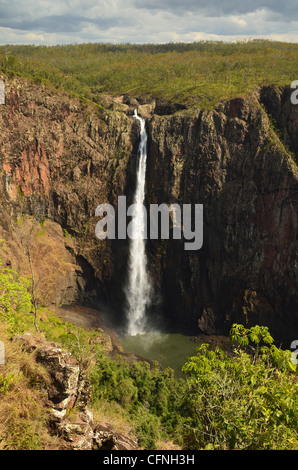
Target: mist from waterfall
x=138, y=287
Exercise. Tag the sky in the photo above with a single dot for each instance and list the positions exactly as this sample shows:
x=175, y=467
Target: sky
x=145, y=21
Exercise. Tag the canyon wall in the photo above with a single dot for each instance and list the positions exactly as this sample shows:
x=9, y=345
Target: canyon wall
x=61, y=157
x=240, y=166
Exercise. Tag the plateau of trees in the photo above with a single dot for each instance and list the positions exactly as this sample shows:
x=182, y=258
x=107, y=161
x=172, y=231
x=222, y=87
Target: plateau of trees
x=191, y=74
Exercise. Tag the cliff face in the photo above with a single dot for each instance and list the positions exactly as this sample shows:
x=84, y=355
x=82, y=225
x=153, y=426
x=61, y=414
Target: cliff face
x=61, y=158
x=231, y=161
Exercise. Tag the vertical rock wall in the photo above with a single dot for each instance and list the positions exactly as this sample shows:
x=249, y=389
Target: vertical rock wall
x=235, y=162
x=60, y=158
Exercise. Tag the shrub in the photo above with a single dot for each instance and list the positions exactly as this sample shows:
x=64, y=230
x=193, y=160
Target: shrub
x=245, y=401
x=15, y=300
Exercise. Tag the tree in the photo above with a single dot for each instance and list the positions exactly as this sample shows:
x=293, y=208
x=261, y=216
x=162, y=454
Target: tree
x=26, y=237
x=15, y=300
x=243, y=401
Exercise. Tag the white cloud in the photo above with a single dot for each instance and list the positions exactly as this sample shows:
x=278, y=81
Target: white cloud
x=141, y=21
x=239, y=21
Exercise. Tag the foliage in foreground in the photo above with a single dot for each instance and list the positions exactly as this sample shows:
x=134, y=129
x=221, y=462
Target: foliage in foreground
x=247, y=400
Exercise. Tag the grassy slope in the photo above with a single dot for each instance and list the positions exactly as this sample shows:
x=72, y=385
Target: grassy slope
x=196, y=74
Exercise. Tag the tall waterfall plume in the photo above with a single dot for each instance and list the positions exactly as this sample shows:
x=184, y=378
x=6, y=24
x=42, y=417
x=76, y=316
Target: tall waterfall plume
x=138, y=288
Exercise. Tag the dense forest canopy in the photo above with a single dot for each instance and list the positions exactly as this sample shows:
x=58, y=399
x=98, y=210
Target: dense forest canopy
x=193, y=74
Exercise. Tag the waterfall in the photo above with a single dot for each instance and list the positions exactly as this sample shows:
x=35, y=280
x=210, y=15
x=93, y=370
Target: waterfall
x=138, y=288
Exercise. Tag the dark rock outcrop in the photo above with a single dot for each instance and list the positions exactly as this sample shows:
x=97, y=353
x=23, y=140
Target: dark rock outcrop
x=105, y=438
x=233, y=162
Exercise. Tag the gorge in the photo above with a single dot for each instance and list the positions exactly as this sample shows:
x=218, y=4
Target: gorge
x=61, y=157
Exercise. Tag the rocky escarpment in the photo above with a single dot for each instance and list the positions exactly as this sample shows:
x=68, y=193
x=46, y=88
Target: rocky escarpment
x=68, y=396
x=60, y=158
x=234, y=162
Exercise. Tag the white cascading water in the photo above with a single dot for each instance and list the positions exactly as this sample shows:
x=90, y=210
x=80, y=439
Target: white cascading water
x=138, y=288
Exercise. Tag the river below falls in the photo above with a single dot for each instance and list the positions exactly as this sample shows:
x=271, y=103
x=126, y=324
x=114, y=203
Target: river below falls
x=170, y=350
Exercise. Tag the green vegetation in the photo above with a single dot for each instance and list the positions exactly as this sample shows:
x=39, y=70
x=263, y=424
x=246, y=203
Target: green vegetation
x=247, y=401
x=150, y=398
x=195, y=74
x=242, y=400
x=15, y=300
